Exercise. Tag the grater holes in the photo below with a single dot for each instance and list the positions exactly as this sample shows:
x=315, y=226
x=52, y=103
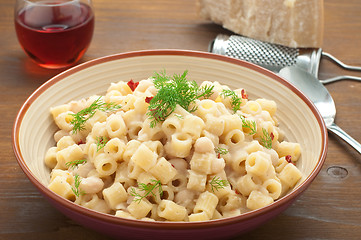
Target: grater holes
x=261, y=53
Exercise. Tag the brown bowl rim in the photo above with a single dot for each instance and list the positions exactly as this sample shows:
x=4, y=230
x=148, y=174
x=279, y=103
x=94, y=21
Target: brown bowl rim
x=166, y=225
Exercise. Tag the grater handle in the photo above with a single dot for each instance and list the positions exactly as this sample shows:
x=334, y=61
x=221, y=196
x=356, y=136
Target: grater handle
x=343, y=65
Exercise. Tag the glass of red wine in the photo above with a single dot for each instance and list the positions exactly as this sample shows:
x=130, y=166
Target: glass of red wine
x=54, y=33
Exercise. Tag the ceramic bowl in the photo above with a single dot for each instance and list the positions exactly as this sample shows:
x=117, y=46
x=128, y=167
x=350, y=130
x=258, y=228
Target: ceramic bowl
x=33, y=132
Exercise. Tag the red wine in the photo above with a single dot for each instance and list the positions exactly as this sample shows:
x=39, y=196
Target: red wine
x=55, y=36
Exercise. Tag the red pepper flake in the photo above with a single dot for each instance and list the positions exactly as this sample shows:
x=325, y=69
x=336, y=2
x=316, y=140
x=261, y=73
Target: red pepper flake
x=80, y=142
x=101, y=141
x=133, y=85
x=289, y=159
x=219, y=155
x=244, y=94
x=272, y=136
x=172, y=165
x=236, y=191
x=148, y=99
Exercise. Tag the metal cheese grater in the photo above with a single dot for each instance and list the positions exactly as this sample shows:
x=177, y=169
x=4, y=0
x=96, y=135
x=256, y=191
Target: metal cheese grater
x=275, y=57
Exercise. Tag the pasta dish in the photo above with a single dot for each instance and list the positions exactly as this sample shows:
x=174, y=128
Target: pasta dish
x=168, y=149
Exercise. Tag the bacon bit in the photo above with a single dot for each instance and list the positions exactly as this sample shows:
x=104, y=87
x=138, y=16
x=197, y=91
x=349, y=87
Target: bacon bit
x=133, y=85
x=148, y=99
x=244, y=94
x=272, y=136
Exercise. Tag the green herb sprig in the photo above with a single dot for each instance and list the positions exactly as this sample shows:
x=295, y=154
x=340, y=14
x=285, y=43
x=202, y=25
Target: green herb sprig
x=235, y=100
x=217, y=183
x=173, y=91
x=147, y=189
x=101, y=142
x=84, y=115
x=75, y=163
x=179, y=116
x=77, y=192
x=221, y=151
x=249, y=124
x=266, y=139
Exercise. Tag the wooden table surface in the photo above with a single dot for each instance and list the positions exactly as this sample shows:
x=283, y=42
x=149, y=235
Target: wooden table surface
x=329, y=209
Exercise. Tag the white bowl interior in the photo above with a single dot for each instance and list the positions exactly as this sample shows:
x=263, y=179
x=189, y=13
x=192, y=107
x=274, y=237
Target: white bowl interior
x=295, y=117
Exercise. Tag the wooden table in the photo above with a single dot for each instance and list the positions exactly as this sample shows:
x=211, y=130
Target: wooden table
x=329, y=209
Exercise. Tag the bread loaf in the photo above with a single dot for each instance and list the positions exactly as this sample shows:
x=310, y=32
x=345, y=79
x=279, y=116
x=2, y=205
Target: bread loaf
x=292, y=23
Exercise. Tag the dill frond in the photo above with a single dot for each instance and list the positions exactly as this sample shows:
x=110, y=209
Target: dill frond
x=235, y=100
x=172, y=91
x=147, y=189
x=221, y=151
x=249, y=124
x=84, y=115
x=77, y=192
x=75, y=163
x=217, y=183
x=101, y=142
x=266, y=139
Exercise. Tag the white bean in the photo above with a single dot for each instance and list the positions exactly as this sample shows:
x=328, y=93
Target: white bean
x=91, y=185
x=203, y=145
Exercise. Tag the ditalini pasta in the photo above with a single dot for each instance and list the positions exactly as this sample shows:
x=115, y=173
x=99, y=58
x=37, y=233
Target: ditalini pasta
x=194, y=153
